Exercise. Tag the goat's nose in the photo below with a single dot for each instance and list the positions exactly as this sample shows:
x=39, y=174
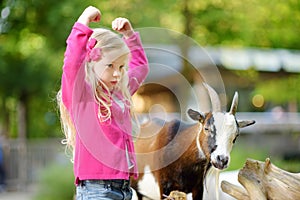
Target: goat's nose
x=222, y=159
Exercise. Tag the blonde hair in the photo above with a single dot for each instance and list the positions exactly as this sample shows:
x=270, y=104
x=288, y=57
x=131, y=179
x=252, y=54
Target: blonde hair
x=67, y=126
x=107, y=41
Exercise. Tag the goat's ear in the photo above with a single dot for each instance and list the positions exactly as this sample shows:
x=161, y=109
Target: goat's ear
x=245, y=123
x=196, y=115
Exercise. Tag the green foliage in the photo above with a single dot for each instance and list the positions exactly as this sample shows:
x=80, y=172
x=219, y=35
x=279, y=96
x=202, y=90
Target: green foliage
x=29, y=68
x=280, y=90
x=56, y=182
x=258, y=23
x=241, y=152
x=33, y=34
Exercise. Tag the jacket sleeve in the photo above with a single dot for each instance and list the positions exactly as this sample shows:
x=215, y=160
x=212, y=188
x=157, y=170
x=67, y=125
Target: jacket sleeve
x=74, y=58
x=138, y=64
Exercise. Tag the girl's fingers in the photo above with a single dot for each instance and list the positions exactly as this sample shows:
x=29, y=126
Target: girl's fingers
x=119, y=23
x=97, y=16
x=114, y=24
x=123, y=26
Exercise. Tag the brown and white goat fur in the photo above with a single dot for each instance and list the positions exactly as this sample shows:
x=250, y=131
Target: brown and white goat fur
x=180, y=154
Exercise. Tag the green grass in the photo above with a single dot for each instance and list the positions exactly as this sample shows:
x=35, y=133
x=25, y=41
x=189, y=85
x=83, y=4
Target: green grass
x=287, y=165
x=241, y=153
x=56, y=183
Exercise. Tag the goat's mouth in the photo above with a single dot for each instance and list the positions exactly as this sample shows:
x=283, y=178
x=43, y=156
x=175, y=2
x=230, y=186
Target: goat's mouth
x=221, y=162
x=219, y=165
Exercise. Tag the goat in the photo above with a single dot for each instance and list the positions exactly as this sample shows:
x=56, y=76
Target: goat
x=180, y=154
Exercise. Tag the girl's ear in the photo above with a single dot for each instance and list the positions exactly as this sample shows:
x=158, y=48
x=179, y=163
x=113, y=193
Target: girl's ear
x=196, y=115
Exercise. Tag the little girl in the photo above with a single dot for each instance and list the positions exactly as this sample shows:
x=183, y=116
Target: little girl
x=96, y=107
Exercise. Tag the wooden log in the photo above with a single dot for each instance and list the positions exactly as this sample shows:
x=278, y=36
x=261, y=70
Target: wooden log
x=263, y=180
x=176, y=195
x=234, y=191
x=281, y=184
x=249, y=177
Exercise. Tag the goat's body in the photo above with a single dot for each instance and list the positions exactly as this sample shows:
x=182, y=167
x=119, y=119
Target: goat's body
x=176, y=163
x=180, y=154
x=184, y=177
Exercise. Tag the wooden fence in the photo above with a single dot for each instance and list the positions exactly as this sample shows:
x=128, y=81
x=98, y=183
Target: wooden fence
x=24, y=160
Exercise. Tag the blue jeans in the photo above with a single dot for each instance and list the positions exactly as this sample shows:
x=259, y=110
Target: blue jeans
x=104, y=190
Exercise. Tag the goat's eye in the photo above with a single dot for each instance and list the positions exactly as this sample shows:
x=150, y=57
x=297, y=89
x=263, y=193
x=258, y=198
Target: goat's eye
x=214, y=148
x=234, y=139
x=206, y=128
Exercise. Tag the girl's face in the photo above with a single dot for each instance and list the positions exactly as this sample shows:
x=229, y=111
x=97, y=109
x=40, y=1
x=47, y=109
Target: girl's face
x=109, y=69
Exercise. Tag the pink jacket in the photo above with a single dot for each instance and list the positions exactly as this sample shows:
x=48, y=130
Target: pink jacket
x=100, y=149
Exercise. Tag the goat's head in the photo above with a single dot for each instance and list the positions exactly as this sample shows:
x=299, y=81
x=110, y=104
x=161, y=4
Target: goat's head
x=219, y=130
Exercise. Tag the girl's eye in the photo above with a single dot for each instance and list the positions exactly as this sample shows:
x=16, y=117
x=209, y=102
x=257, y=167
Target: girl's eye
x=121, y=67
x=109, y=65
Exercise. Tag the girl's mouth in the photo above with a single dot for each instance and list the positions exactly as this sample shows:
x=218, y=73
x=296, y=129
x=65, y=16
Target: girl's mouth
x=114, y=82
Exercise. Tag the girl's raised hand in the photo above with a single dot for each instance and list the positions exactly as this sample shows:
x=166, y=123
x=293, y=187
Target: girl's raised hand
x=123, y=26
x=90, y=14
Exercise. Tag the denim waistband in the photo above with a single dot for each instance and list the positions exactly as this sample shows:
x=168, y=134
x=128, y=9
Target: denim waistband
x=116, y=183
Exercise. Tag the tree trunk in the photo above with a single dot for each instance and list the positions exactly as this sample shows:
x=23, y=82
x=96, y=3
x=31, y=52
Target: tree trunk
x=22, y=122
x=187, y=68
x=22, y=136
x=6, y=120
x=263, y=180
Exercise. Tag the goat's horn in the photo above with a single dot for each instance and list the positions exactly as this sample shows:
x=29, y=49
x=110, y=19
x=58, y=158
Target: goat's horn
x=234, y=104
x=214, y=98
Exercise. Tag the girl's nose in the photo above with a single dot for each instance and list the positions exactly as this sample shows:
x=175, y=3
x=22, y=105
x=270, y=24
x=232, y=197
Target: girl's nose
x=116, y=73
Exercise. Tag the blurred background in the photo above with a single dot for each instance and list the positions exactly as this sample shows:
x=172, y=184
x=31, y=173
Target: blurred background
x=253, y=44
